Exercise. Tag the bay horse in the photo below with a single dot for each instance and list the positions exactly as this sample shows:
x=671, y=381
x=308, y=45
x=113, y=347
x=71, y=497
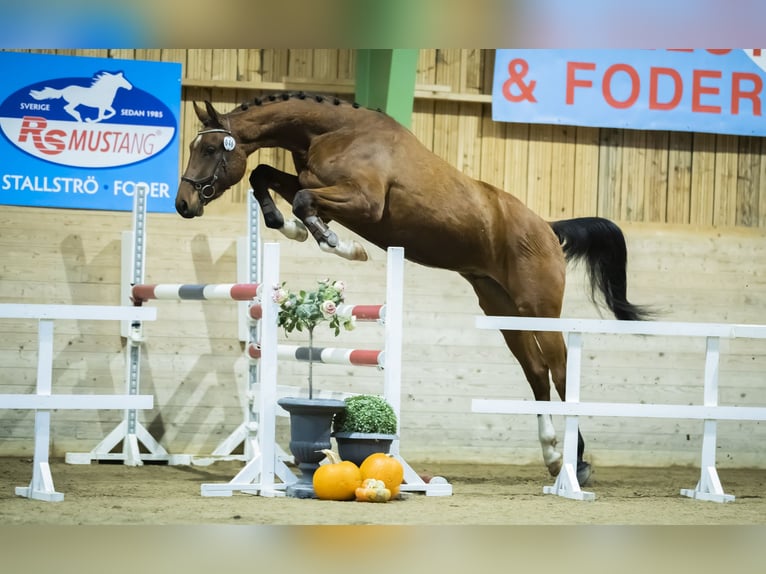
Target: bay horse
x=361, y=168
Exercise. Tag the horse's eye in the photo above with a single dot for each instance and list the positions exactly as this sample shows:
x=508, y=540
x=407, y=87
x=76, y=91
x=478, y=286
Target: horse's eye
x=209, y=150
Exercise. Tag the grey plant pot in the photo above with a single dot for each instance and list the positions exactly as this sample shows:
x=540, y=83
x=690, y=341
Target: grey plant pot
x=357, y=446
x=310, y=428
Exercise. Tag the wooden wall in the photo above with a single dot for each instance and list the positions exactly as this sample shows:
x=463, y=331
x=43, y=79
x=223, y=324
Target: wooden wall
x=691, y=206
x=559, y=171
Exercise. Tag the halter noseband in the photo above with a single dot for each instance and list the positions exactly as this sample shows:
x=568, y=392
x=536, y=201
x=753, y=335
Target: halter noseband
x=204, y=185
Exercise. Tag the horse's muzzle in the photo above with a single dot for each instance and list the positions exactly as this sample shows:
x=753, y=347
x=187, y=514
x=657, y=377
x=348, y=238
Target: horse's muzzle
x=188, y=209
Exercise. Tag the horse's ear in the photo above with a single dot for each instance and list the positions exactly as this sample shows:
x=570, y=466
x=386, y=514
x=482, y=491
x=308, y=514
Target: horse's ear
x=215, y=118
x=201, y=114
x=209, y=117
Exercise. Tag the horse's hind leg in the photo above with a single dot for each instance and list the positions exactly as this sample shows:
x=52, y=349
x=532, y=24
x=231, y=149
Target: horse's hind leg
x=554, y=351
x=495, y=301
x=265, y=177
x=334, y=202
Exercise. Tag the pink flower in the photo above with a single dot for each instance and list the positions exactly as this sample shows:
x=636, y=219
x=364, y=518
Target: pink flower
x=328, y=309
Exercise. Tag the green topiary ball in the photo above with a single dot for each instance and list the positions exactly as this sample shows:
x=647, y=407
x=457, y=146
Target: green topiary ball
x=366, y=413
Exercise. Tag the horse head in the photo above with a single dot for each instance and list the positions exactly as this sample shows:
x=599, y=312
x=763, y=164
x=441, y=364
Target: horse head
x=216, y=162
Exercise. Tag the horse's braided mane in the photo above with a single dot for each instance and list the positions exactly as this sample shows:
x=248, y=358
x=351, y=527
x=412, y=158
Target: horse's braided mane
x=284, y=96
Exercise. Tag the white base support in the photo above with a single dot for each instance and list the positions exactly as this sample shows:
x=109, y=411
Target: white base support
x=251, y=449
x=237, y=437
x=567, y=486
x=130, y=455
x=708, y=488
x=41, y=487
x=249, y=480
x=437, y=486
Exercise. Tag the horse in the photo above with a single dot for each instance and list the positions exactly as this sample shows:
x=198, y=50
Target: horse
x=100, y=94
x=361, y=168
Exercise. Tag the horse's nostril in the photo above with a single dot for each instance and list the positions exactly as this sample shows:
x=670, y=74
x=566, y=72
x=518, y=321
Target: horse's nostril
x=182, y=208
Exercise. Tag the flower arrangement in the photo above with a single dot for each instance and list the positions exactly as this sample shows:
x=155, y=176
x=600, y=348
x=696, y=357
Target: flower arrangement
x=306, y=309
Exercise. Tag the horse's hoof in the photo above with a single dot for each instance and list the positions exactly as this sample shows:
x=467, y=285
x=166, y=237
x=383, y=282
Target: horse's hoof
x=294, y=230
x=584, y=471
x=359, y=253
x=554, y=467
x=350, y=250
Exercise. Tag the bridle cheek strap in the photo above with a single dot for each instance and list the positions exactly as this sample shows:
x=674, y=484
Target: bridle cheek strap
x=204, y=185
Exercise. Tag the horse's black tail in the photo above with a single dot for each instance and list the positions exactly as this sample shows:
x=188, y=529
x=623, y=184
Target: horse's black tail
x=601, y=244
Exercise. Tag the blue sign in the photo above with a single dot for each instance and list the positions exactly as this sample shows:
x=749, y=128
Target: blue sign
x=715, y=91
x=82, y=133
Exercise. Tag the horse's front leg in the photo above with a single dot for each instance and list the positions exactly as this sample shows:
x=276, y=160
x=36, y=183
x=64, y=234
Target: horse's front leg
x=265, y=177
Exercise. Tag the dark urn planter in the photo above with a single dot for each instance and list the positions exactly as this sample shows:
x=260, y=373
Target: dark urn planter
x=357, y=446
x=310, y=428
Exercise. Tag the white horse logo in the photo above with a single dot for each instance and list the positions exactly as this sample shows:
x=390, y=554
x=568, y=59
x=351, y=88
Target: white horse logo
x=100, y=94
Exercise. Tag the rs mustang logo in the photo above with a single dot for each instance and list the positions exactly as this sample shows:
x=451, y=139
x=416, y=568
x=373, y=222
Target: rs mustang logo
x=103, y=121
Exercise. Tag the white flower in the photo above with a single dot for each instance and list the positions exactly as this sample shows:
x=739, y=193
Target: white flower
x=339, y=286
x=280, y=295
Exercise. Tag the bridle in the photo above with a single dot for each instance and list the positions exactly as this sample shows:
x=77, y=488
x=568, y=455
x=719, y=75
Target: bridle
x=204, y=185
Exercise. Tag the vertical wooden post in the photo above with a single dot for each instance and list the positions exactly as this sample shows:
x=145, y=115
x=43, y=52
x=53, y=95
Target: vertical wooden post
x=385, y=79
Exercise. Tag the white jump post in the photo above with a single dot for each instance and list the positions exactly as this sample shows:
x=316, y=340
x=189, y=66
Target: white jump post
x=43, y=401
x=258, y=475
x=130, y=432
x=709, y=486
x=392, y=377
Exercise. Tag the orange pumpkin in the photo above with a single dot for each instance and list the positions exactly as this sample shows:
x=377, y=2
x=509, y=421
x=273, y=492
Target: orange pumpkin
x=337, y=480
x=386, y=468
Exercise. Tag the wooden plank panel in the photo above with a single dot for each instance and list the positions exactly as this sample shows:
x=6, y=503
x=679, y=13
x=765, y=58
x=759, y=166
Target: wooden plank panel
x=152, y=55
x=725, y=202
x=469, y=139
x=748, y=181
x=223, y=65
x=517, y=161
x=562, y=172
x=679, y=177
x=702, y=201
x=199, y=64
x=120, y=54
x=656, y=178
x=346, y=64
x=275, y=64
x=471, y=65
x=447, y=114
x=762, y=193
x=174, y=55
x=585, y=181
x=493, y=162
x=325, y=64
x=610, y=173
x=423, y=110
x=300, y=64
x=540, y=167
x=632, y=184
x=448, y=70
